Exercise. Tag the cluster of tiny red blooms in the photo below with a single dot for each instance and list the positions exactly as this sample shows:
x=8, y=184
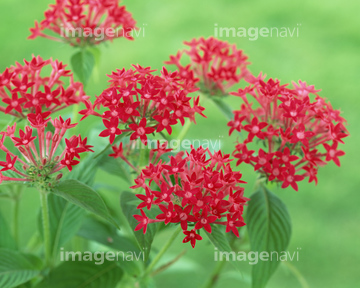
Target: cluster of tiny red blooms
x=195, y=190
x=78, y=22
x=40, y=160
x=215, y=65
x=299, y=134
x=141, y=103
x=25, y=89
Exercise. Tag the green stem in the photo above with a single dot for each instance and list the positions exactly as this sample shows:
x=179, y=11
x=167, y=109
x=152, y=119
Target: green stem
x=161, y=252
x=184, y=130
x=46, y=226
x=16, y=221
x=215, y=275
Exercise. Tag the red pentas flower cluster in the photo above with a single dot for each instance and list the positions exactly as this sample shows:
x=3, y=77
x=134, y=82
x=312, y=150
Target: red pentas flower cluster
x=140, y=103
x=24, y=89
x=299, y=134
x=215, y=63
x=85, y=22
x=195, y=190
x=43, y=155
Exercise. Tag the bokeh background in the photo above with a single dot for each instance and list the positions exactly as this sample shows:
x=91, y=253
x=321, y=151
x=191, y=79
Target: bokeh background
x=326, y=53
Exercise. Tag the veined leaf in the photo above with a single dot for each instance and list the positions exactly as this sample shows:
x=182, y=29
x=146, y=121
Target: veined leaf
x=85, y=197
x=17, y=268
x=84, y=274
x=83, y=63
x=269, y=227
x=129, y=202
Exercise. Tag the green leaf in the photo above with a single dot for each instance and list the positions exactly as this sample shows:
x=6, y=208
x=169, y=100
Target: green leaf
x=223, y=107
x=65, y=220
x=83, y=63
x=85, y=197
x=17, y=268
x=6, y=239
x=115, y=167
x=269, y=227
x=84, y=274
x=105, y=234
x=85, y=171
x=129, y=202
x=218, y=238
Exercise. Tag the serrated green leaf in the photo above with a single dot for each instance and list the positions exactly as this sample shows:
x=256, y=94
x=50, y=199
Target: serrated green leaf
x=129, y=202
x=269, y=227
x=84, y=274
x=17, y=268
x=65, y=220
x=85, y=197
x=6, y=239
x=105, y=234
x=83, y=63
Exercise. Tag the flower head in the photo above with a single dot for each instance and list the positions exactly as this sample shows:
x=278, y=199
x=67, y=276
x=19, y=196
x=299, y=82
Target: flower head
x=41, y=157
x=196, y=190
x=215, y=65
x=85, y=22
x=140, y=103
x=293, y=128
x=27, y=89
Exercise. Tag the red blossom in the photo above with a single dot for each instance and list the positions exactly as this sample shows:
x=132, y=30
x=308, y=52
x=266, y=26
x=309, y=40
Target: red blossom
x=142, y=103
x=197, y=189
x=215, y=65
x=26, y=89
x=90, y=17
x=299, y=122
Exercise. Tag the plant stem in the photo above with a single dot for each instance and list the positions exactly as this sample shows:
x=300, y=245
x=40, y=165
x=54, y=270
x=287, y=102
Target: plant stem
x=16, y=221
x=184, y=130
x=46, y=226
x=215, y=275
x=161, y=252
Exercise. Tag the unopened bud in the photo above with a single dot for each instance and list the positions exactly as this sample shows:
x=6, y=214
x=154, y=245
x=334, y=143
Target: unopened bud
x=48, y=135
x=59, y=176
x=44, y=161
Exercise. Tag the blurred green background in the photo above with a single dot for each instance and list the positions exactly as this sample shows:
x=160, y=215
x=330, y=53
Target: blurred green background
x=325, y=217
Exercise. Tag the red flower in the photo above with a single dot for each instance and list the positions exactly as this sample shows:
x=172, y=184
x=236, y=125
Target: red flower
x=290, y=178
x=41, y=160
x=165, y=122
x=296, y=127
x=144, y=103
x=86, y=16
x=9, y=164
x=140, y=131
x=191, y=237
x=333, y=153
x=215, y=64
x=112, y=129
x=232, y=223
x=204, y=221
x=30, y=88
x=143, y=221
x=14, y=103
x=255, y=128
x=192, y=189
x=69, y=161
